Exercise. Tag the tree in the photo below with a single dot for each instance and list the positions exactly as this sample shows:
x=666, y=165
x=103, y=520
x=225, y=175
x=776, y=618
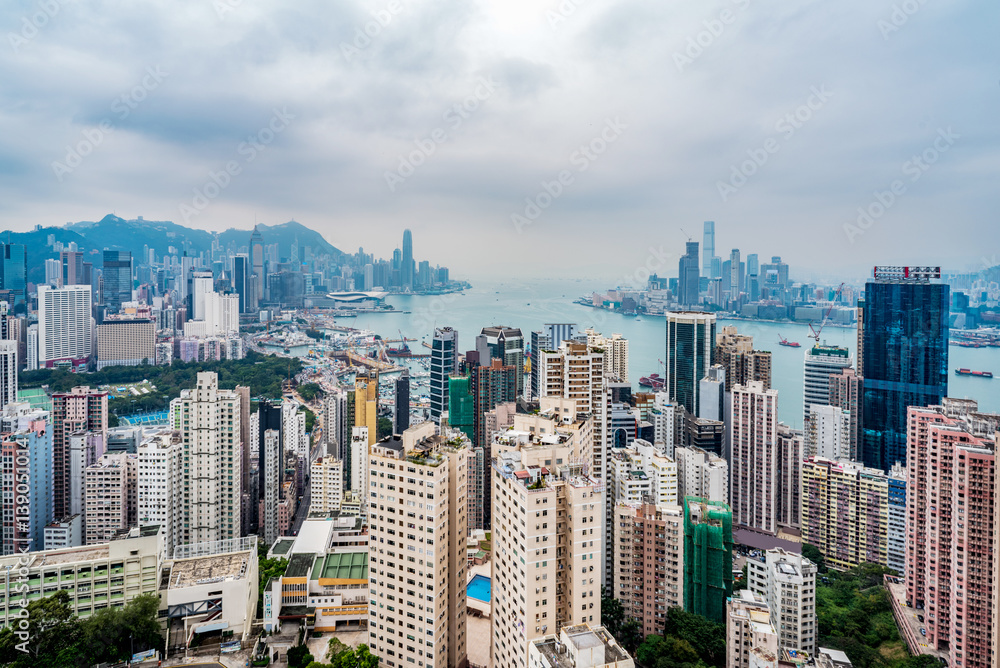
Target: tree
x=706, y=637
x=309, y=391
x=299, y=657
x=383, y=428
x=812, y=553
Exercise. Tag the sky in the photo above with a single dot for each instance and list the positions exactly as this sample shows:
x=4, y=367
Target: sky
x=518, y=137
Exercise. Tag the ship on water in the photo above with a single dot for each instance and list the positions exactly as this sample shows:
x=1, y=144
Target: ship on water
x=782, y=341
x=652, y=381
x=969, y=372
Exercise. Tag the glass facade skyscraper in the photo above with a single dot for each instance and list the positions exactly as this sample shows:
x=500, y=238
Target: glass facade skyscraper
x=690, y=351
x=14, y=275
x=905, y=361
x=117, y=274
x=444, y=362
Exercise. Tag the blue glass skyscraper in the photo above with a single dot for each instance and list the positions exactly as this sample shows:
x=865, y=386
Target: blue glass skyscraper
x=14, y=275
x=904, y=339
x=117, y=273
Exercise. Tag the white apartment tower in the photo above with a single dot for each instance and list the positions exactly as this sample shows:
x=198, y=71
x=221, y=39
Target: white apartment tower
x=160, y=480
x=326, y=485
x=787, y=582
x=65, y=327
x=828, y=432
x=754, y=483
x=641, y=473
x=417, y=531
x=701, y=473
x=751, y=640
x=106, y=497
x=547, y=547
x=209, y=423
x=615, y=353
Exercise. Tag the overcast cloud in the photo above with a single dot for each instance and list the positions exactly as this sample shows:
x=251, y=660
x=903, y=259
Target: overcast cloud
x=289, y=110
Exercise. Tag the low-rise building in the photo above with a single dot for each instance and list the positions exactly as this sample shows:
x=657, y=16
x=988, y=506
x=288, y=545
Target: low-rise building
x=578, y=647
x=749, y=627
x=330, y=590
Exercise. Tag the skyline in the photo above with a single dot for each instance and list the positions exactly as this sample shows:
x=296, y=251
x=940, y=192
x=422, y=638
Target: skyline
x=268, y=107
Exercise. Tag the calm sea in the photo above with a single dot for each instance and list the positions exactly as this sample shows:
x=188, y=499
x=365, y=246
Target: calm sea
x=530, y=305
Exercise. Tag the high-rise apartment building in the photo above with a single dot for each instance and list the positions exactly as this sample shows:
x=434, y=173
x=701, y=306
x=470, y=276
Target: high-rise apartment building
x=828, y=432
x=505, y=344
x=896, y=540
x=787, y=582
x=160, y=481
x=905, y=330
x=742, y=364
x=701, y=473
x=615, y=353
x=548, y=338
x=417, y=561
x=846, y=394
x=65, y=327
x=690, y=350
x=640, y=473
x=789, y=447
x=754, y=483
x=326, y=485
x=751, y=640
x=547, y=546
x=444, y=363
x=712, y=398
x=270, y=456
x=401, y=403
x=649, y=561
x=8, y=372
x=574, y=371
x=490, y=386
x=951, y=511
x=688, y=284
x=117, y=277
x=126, y=342
x=821, y=362
x=106, y=500
x=81, y=410
x=708, y=557
x=209, y=420
x=26, y=468
x=845, y=512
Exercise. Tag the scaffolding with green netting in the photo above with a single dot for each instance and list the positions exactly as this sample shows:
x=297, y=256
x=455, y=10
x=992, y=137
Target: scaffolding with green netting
x=461, y=405
x=708, y=557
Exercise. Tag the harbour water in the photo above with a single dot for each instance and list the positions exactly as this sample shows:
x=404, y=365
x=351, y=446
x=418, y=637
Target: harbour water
x=529, y=305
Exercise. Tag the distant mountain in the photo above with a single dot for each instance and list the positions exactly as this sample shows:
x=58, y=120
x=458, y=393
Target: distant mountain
x=115, y=233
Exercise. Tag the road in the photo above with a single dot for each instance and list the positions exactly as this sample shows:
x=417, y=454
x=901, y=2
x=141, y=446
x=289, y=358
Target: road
x=303, y=509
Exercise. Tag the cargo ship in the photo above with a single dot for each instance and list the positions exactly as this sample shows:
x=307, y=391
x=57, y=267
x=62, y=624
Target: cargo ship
x=652, y=381
x=782, y=341
x=969, y=372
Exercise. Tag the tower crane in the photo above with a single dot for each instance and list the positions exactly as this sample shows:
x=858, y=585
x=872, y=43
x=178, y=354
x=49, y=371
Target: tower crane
x=826, y=316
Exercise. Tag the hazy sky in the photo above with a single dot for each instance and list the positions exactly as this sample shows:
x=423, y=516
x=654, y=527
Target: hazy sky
x=776, y=119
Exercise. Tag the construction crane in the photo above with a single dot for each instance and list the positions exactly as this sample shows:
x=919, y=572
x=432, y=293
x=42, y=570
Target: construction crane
x=826, y=316
x=685, y=233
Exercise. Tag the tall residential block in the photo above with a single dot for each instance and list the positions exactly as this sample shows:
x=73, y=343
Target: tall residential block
x=160, y=481
x=754, y=484
x=615, y=353
x=547, y=547
x=641, y=472
x=326, y=485
x=845, y=512
x=444, y=363
x=701, y=473
x=736, y=354
x=26, y=481
x=820, y=363
x=708, y=557
x=789, y=447
x=846, y=394
x=905, y=358
x=649, y=561
x=417, y=561
x=270, y=450
x=81, y=410
x=401, y=403
x=8, y=372
x=828, y=432
x=751, y=640
x=126, y=342
x=787, y=582
x=712, y=397
x=209, y=421
x=951, y=511
x=106, y=500
x=490, y=386
x=896, y=547
x=690, y=349
x=65, y=326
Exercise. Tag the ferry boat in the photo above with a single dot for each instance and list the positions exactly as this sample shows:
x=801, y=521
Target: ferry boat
x=653, y=381
x=782, y=341
x=969, y=372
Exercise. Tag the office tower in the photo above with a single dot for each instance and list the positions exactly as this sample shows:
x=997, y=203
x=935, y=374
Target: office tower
x=556, y=333
x=896, y=544
x=117, y=276
x=905, y=356
x=751, y=640
x=828, y=432
x=690, y=348
x=754, y=458
x=615, y=353
x=735, y=276
x=789, y=446
x=775, y=275
x=846, y=394
x=444, y=363
x=845, y=512
x=736, y=354
x=701, y=474
x=200, y=284
x=548, y=513
x=122, y=342
x=106, y=507
x=8, y=372
x=641, y=473
x=708, y=249
x=65, y=327
x=241, y=278
x=406, y=262
x=951, y=507
x=72, y=267
x=505, y=344
x=14, y=275
x=712, y=394
x=270, y=451
x=209, y=421
x=337, y=422
x=326, y=485
x=709, y=435
x=687, y=276
x=26, y=462
x=753, y=265
x=787, y=582
x=648, y=585
x=426, y=551
x=821, y=362
x=490, y=386
x=256, y=270
x=160, y=484
x=369, y=277
x=708, y=557
x=401, y=403
x=79, y=410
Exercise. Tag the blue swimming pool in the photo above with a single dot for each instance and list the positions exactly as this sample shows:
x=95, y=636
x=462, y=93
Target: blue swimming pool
x=479, y=588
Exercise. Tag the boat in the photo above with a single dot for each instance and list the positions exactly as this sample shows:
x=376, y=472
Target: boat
x=969, y=372
x=653, y=381
x=782, y=341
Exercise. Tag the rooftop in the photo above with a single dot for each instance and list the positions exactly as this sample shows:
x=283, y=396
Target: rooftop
x=342, y=566
x=206, y=570
x=299, y=565
x=580, y=647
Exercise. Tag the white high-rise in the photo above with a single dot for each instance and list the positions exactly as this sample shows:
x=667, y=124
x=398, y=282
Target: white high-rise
x=754, y=482
x=8, y=372
x=641, y=473
x=326, y=485
x=615, y=353
x=160, y=480
x=821, y=362
x=65, y=327
x=828, y=432
x=701, y=473
x=787, y=582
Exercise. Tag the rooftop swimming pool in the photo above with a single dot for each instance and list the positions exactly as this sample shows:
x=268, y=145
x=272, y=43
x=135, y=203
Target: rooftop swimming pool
x=479, y=588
